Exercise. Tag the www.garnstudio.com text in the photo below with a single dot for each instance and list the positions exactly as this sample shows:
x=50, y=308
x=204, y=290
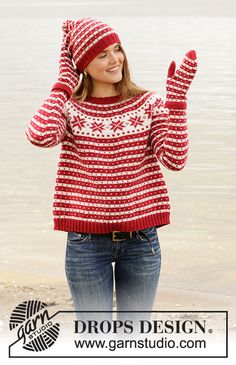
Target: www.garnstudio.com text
x=162, y=343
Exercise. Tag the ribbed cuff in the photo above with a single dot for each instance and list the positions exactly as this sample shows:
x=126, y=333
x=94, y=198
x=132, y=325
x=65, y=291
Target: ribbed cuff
x=61, y=86
x=176, y=104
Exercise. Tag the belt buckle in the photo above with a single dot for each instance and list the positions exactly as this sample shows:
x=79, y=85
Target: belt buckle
x=114, y=239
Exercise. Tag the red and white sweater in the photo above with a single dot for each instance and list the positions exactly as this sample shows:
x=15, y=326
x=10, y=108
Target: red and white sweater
x=109, y=176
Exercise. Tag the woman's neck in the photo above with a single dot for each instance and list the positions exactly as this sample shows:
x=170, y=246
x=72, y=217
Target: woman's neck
x=104, y=90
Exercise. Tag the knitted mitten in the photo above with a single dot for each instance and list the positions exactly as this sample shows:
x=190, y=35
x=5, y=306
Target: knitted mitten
x=179, y=81
x=172, y=151
x=68, y=76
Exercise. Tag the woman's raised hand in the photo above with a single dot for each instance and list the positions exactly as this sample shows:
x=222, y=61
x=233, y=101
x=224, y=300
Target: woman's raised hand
x=68, y=75
x=179, y=81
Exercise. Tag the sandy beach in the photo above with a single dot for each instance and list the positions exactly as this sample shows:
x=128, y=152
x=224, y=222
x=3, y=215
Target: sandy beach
x=57, y=298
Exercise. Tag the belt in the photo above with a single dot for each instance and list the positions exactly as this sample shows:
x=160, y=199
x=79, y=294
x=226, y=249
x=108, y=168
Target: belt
x=122, y=236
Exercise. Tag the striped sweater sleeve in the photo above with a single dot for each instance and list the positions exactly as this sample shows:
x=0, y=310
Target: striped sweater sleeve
x=169, y=135
x=48, y=126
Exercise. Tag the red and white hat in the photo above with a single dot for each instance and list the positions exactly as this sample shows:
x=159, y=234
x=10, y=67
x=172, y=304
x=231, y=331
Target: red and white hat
x=86, y=38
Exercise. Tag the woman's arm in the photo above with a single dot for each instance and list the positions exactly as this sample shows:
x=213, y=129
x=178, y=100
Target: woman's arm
x=48, y=126
x=169, y=136
x=169, y=132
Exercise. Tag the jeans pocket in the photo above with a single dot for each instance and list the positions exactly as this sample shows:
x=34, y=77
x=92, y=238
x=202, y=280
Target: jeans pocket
x=150, y=236
x=77, y=238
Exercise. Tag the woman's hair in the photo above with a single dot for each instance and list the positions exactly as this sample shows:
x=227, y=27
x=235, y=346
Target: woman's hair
x=126, y=88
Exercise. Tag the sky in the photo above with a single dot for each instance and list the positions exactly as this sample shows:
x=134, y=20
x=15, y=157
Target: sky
x=63, y=8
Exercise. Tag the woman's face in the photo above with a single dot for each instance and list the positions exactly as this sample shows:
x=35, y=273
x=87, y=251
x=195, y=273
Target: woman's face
x=107, y=66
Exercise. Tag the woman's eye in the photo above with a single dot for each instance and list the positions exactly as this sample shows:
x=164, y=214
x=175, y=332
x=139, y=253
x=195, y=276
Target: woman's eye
x=104, y=54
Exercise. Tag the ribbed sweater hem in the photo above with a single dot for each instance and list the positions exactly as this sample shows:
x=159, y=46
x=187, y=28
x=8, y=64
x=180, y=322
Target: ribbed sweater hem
x=74, y=225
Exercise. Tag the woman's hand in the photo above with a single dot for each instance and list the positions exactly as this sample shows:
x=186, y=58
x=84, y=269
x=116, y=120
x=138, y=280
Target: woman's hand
x=179, y=81
x=68, y=76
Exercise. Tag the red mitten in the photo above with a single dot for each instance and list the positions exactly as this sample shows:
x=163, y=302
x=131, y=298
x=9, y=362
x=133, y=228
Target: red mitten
x=179, y=81
x=68, y=76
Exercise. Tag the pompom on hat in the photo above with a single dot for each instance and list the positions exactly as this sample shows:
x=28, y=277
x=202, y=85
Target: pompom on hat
x=86, y=38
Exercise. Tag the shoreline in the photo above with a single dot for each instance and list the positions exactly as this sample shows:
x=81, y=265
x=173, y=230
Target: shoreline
x=87, y=8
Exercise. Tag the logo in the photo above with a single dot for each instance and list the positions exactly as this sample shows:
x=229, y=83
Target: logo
x=34, y=326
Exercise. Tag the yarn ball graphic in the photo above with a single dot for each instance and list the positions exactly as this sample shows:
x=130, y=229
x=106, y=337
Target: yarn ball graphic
x=45, y=336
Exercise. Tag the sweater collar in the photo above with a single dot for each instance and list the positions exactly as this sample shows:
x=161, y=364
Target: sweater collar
x=103, y=100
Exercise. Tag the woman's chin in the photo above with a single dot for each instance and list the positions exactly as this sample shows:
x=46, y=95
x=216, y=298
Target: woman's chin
x=115, y=78
x=110, y=79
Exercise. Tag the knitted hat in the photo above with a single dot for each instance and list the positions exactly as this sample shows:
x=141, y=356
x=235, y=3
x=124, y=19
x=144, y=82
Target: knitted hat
x=86, y=38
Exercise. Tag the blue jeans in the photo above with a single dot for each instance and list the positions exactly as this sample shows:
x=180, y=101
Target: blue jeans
x=90, y=276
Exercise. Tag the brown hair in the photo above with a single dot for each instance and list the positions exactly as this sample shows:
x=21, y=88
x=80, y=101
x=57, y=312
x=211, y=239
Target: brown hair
x=126, y=88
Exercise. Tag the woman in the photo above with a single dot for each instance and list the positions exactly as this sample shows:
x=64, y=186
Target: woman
x=110, y=194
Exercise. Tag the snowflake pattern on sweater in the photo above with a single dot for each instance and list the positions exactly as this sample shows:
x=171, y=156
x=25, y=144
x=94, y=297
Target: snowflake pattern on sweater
x=109, y=176
x=83, y=122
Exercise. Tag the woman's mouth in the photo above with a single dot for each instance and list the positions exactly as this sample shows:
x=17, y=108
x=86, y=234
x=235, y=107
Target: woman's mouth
x=113, y=69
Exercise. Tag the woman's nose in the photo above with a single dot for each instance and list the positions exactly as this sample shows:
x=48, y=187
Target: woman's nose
x=113, y=58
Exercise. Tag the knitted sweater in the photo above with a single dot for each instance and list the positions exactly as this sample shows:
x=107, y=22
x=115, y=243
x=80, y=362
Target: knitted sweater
x=109, y=175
